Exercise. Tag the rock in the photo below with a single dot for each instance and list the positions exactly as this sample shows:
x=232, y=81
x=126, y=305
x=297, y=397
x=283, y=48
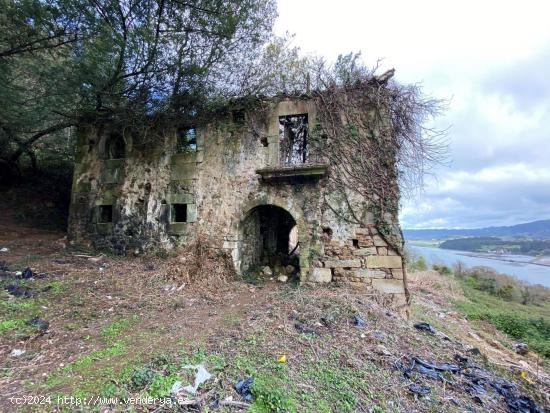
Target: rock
x=16, y=352
x=521, y=348
x=474, y=351
x=282, y=278
x=474, y=335
x=167, y=288
x=382, y=350
x=379, y=336
x=4, y=249
x=267, y=271
x=304, y=329
x=321, y=275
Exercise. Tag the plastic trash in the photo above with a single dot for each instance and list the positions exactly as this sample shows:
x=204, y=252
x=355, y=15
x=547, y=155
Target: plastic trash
x=39, y=323
x=281, y=359
x=19, y=291
x=201, y=376
x=16, y=352
x=419, y=389
x=27, y=273
x=472, y=379
x=425, y=327
x=244, y=388
x=358, y=321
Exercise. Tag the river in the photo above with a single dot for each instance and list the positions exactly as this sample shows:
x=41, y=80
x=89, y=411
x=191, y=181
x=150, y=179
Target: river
x=522, y=268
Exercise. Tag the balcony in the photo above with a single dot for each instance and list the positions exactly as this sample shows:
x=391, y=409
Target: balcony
x=301, y=172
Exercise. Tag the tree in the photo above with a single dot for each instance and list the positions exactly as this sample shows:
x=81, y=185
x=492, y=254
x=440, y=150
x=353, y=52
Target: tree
x=137, y=62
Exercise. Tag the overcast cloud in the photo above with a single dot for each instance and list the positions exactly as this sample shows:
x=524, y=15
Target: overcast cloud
x=491, y=59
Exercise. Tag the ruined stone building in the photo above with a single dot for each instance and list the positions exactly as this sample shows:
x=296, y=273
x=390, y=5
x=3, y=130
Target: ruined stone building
x=250, y=181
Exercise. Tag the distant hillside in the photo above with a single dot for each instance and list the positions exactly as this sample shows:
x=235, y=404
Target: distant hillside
x=493, y=244
x=535, y=230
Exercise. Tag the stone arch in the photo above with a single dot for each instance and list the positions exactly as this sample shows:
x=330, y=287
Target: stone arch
x=297, y=215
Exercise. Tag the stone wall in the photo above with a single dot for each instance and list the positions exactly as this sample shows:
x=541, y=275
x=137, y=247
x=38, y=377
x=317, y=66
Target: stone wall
x=217, y=187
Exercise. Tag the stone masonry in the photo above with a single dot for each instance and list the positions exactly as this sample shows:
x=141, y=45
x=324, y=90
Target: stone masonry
x=243, y=182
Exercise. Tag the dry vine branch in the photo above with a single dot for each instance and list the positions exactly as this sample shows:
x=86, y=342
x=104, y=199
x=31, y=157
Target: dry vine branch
x=372, y=132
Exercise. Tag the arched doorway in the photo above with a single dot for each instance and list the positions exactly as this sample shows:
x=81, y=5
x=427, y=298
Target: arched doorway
x=269, y=238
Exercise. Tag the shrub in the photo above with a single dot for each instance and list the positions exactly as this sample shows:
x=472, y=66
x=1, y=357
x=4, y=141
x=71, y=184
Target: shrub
x=442, y=269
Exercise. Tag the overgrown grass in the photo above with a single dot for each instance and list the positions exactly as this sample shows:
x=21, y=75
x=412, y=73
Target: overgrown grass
x=527, y=323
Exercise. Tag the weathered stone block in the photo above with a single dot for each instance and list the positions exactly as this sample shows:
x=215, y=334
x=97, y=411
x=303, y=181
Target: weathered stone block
x=321, y=275
x=343, y=264
x=384, y=261
x=379, y=241
x=183, y=158
x=191, y=212
x=184, y=171
x=388, y=286
x=365, y=251
x=362, y=231
x=382, y=250
x=397, y=273
x=368, y=273
x=178, y=228
x=104, y=228
x=180, y=198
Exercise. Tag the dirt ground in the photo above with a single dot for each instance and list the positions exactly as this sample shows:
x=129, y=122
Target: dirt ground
x=126, y=326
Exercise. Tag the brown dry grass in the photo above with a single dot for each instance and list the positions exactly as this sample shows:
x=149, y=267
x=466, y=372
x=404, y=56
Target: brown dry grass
x=191, y=301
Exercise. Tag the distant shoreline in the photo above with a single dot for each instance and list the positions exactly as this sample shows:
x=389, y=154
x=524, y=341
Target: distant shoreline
x=486, y=255
x=496, y=258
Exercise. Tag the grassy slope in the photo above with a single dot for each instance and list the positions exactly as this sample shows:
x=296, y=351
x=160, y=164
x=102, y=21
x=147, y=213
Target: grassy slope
x=528, y=323
x=119, y=332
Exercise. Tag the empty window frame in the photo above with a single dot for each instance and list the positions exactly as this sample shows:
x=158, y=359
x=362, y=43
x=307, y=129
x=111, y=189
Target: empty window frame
x=187, y=140
x=293, y=139
x=238, y=117
x=105, y=214
x=178, y=213
x=115, y=147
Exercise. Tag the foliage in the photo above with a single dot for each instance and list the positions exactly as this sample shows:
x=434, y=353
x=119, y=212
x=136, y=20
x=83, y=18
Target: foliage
x=527, y=323
x=139, y=63
x=504, y=286
x=442, y=269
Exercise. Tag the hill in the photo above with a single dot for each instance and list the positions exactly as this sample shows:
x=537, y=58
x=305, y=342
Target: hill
x=119, y=331
x=534, y=230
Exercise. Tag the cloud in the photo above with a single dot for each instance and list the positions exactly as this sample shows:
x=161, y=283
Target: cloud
x=497, y=195
x=526, y=81
x=491, y=59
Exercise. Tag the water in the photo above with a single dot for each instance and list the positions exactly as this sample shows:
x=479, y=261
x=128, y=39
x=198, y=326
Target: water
x=524, y=270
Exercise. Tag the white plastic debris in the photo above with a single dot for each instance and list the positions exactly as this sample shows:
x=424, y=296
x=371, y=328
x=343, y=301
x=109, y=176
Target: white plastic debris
x=16, y=352
x=201, y=376
x=177, y=387
x=4, y=249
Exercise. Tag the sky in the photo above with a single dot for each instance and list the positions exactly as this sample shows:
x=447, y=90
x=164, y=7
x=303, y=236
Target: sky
x=490, y=60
